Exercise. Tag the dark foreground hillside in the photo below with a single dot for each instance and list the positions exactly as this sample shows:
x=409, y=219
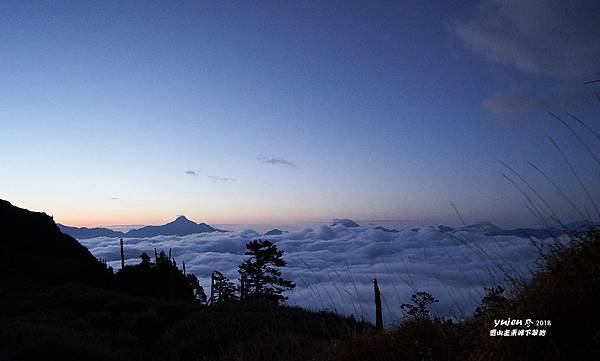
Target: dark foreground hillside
x=58, y=302
x=79, y=322
x=34, y=248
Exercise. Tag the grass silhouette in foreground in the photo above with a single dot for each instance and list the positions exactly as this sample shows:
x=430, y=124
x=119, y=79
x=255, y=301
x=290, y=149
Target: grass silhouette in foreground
x=564, y=290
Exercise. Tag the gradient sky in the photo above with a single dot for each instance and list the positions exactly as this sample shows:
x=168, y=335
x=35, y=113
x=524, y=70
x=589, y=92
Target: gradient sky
x=237, y=112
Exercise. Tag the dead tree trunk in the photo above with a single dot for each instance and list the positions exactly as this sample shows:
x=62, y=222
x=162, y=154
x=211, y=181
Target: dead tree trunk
x=242, y=285
x=122, y=254
x=212, y=288
x=378, y=312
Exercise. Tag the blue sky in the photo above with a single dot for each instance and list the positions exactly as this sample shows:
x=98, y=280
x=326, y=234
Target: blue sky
x=132, y=113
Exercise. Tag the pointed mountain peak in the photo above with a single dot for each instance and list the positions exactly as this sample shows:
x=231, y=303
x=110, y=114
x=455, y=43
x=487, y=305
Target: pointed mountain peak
x=182, y=219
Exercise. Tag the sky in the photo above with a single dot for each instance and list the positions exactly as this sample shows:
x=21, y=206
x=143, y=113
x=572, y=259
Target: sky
x=292, y=111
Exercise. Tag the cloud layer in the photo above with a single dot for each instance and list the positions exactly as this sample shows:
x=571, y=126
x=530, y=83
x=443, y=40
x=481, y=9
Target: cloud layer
x=333, y=266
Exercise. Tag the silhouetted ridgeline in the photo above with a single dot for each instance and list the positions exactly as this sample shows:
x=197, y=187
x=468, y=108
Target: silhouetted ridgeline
x=179, y=227
x=84, y=232
x=35, y=249
x=59, y=302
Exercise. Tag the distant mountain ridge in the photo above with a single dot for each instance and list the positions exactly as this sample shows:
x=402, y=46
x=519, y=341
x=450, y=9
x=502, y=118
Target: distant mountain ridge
x=275, y=232
x=84, y=232
x=181, y=226
x=490, y=229
x=348, y=223
x=379, y=228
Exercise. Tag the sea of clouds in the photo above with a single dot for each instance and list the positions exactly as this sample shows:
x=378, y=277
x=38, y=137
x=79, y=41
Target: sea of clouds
x=333, y=266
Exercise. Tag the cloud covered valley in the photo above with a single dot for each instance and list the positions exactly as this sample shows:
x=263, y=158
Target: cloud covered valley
x=333, y=266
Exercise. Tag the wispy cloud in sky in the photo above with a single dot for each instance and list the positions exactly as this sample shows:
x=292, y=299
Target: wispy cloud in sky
x=550, y=41
x=216, y=178
x=193, y=173
x=550, y=37
x=520, y=103
x=275, y=160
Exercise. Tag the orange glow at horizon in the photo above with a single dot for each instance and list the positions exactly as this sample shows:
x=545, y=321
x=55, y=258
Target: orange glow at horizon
x=104, y=220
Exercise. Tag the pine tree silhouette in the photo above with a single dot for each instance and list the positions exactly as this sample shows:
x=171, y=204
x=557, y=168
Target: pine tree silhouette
x=160, y=280
x=261, y=274
x=419, y=309
x=222, y=289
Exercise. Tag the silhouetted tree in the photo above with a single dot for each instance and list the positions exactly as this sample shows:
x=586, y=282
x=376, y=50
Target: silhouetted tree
x=419, y=309
x=222, y=289
x=262, y=278
x=161, y=280
x=493, y=301
x=145, y=260
x=194, y=284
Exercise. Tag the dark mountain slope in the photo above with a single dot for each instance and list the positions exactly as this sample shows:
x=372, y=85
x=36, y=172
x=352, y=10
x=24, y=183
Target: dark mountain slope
x=34, y=246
